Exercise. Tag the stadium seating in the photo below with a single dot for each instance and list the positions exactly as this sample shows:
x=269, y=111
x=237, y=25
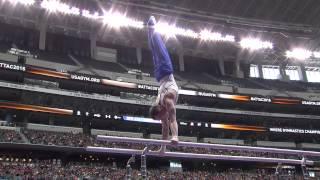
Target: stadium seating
x=242, y=82
x=73, y=137
x=55, y=57
x=47, y=169
x=281, y=85
x=99, y=65
x=197, y=78
x=10, y=135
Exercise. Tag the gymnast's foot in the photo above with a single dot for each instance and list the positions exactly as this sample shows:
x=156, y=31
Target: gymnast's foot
x=174, y=140
x=152, y=21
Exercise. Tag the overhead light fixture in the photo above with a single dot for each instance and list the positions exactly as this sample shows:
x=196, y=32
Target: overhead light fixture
x=56, y=6
x=165, y=29
x=299, y=53
x=316, y=54
x=87, y=14
x=24, y=2
x=117, y=20
x=255, y=44
x=172, y=30
x=189, y=33
x=214, y=36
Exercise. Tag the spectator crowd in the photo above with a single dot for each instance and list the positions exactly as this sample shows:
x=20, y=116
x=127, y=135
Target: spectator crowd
x=7, y=135
x=46, y=169
x=82, y=140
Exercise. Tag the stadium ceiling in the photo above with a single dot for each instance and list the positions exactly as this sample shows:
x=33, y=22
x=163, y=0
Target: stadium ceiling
x=289, y=11
x=216, y=18
x=287, y=23
x=276, y=14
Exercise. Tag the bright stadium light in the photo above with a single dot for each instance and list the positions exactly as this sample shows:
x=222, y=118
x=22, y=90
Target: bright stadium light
x=165, y=29
x=190, y=33
x=171, y=30
x=117, y=20
x=184, y=32
x=316, y=54
x=24, y=2
x=299, y=53
x=56, y=6
x=214, y=36
x=50, y=6
x=255, y=44
x=74, y=11
x=87, y=14
x=205, y=35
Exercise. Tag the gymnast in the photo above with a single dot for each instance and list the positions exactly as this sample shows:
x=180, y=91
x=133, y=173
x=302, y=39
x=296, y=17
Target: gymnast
x=164, y=107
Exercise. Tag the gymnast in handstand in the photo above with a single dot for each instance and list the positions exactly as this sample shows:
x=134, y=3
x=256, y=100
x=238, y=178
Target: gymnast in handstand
x=165, y=106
